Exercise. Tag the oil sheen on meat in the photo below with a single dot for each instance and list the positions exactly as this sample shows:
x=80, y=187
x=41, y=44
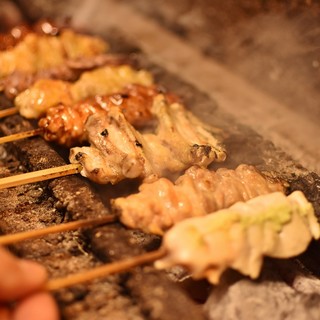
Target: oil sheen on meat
x=65, y=124
x=161, y=204
x=46, y=93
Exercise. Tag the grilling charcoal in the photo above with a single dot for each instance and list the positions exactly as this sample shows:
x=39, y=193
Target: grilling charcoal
x=268, y=297
x=152, y=290
x=310, y=185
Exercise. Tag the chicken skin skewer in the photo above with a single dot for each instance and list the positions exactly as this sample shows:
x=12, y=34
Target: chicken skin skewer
x=161, y=204
x=45, y=93
x=238, y=237
x=65, y=125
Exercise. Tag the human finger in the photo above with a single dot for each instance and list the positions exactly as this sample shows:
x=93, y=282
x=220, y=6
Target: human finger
x=39, y=306
x=19, y=277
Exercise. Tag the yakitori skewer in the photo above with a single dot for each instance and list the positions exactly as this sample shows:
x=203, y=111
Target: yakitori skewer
x=45, y=93
x=8, y=112
x=40, y=175
x=18, y=81
x=21, y=135
x=104, y=270
x=161, y=204
x=65, y=124
x=63, y=227
x=239, y=237
x=36, y=52
x=33, y=102
x=118, y=151
x=198, y=192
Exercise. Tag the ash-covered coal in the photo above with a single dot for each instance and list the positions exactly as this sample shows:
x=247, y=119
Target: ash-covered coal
x=310, y=185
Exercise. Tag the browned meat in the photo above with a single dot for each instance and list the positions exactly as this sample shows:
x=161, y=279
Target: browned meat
x=36, y=52
x=118, y=151
x=161, y=204
x=11, y=38
x=65, y=124
x=239, y=237
x=19, y=81
x=36, y=100
x=115, y=152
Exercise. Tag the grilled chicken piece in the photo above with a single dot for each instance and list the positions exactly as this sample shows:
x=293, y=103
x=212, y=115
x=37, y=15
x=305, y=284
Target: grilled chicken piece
x=270, y=225
x=161, y=204
x=65, y=124
x=168, y=151
x=71, y=70
x=37, y=52
x=46, y=93
x=180, y=137
x=115, y=152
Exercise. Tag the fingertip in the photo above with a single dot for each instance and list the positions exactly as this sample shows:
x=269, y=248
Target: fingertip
x=35, y=274
x=22, y=278
x=39, y=306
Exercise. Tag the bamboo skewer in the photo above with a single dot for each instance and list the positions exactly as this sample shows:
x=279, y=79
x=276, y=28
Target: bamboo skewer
x=21, y=135
x=41, y=175
x=69, y=226
x=111, y=268
x=8, y=112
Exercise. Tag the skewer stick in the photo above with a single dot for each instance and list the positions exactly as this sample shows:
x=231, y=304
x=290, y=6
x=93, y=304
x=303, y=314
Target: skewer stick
x=40, y=175
x=69, y=226
x=108, y=269
x=8, y=112
x=21, y=135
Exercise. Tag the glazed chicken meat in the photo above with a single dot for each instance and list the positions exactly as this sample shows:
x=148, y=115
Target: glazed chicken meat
x=119, y=151
x=66, y=124
x=161, y=204
x=46, y=93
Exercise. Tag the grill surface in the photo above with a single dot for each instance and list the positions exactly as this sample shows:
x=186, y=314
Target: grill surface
x=145, y=293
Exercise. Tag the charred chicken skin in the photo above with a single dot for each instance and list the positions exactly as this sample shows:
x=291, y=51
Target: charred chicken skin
x=65, y=124
x=118, y=151
x=161, y=204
